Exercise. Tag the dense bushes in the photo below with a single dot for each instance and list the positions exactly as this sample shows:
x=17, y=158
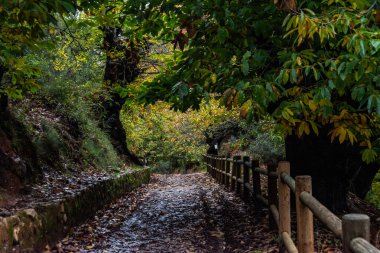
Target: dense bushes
x=373, y=196
x=169, y=140
x=65, y=124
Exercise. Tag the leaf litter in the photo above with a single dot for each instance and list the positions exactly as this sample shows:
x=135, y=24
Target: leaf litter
x=174, y=213
x=183, y=213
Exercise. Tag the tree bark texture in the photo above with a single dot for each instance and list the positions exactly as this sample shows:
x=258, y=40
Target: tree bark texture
x=3, y=96
x=335, y=168
x=121, y=69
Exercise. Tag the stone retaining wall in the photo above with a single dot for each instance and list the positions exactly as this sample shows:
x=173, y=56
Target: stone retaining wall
x=30, y=230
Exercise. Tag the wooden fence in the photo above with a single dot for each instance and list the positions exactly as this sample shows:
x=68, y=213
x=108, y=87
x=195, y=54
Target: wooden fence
x=242, y=175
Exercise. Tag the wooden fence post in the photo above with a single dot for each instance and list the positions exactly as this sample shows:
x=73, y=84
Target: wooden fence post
x=283, y=203
x=233, y=173
x=209, y=161
x=223, y=170
x=213, y=167
x=217, y=169
x=354, y=225
x=206, y=162
x=272, y=193
x=256, y=182
x=246, y=177
x=239, y=166
x=228, y=170
x=305, y=229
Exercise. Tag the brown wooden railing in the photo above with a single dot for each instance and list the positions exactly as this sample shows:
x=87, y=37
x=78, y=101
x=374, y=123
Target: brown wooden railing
x=242, y=175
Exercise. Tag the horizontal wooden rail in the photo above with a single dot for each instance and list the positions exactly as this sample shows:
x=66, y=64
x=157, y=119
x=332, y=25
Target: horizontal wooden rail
x=275, y=213
x=329, y=219
x=360, y=245
x=289, y=181
x=263, y=200
x=288, y=242
x=242, y=175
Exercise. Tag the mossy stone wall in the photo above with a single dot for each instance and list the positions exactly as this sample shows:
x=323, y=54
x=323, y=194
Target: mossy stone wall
x=31, y=229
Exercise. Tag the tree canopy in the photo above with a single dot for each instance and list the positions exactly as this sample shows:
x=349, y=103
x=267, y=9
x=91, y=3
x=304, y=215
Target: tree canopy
x=314, y=67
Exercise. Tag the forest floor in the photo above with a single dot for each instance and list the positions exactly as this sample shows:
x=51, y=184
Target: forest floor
x=180, y=213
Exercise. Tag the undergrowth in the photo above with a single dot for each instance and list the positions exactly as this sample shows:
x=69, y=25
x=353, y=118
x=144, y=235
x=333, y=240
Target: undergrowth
x=75, y=103
x=373, y=196
x=64, y=119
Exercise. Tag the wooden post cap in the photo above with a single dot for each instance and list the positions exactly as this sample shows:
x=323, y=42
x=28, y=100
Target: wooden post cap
x=354, y=217
x=354, y=225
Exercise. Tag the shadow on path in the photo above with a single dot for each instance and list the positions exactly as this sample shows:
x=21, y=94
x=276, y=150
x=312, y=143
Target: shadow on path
x=191, y=213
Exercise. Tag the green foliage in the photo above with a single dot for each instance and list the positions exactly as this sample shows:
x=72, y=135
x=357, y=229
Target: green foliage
x=22, y=27
x=49, y=143
x=263, y=140
x=315, y=68
x=373, y=196
x=168, y=139
x=72, y=87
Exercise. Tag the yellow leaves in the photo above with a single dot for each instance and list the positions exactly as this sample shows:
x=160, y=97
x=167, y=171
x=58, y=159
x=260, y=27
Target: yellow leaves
x=306, y=27
x=213, y=78
x=245, y=109
x=303, y=128
x=312, y=105
x=314, y=127
x=343, y=134
x=160, y=133
x=287, y=114
x=299, y=61
x=294, y=91
x=352, y=138
x=339, y=132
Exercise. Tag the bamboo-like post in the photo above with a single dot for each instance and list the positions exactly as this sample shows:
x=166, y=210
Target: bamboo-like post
x=245, y=177
x=233, y=174
x=256, y=180
x=283, y=202
x=228, y=170
x=238, y=176
x=305, y=229
x=353, y=226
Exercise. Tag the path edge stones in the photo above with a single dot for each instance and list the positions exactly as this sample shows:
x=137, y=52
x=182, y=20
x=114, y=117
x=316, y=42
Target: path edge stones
x=30, y=230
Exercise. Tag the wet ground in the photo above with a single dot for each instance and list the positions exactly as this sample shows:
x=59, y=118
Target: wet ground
x=175, y=213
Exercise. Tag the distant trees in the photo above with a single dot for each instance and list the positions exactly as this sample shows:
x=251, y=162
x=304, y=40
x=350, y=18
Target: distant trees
x=170, y=140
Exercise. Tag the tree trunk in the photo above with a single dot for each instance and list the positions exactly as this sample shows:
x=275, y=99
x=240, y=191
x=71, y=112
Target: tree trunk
x=335, y=168
x=118, y=71
x=3, y=103
x=3, y=96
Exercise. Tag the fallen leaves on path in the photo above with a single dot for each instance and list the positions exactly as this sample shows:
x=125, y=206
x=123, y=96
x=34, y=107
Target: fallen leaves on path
x=175, y=213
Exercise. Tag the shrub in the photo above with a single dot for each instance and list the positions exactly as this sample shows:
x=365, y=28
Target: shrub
x=169, y=140
x=262, y=140
x=373, y=196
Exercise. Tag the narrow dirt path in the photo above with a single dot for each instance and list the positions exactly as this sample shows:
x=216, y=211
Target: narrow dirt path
x=175, y=213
